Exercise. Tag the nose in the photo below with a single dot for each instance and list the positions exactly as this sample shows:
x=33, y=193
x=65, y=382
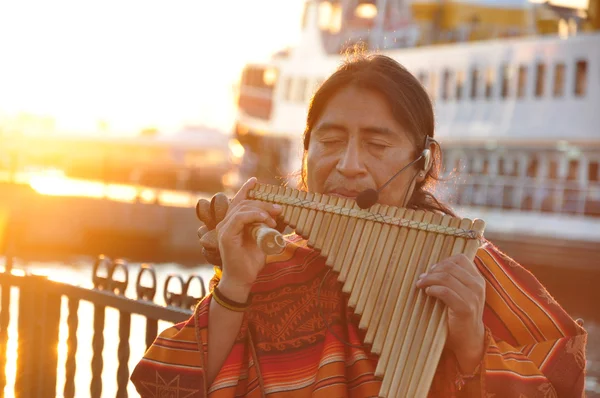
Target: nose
x=350, y=164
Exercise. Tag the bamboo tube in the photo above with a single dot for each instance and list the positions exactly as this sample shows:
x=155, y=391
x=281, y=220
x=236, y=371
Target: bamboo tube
x=369, y=240
x=310, y=217
x=300, y=214
x=356, y=246
x=382, y=312
x=367, y=300
x=403, y=302
x=426, y=322
x=336, y=258
x=327, y=240
x=370, y=261
x=268, y=239
x=288, y=211
x=342, y=231
x=437, y=341
x=419, y=315
x=319, y=225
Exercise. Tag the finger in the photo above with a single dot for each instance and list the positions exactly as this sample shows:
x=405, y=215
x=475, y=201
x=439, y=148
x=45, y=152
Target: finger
x=209, y=240
x=211, y=256
x=271, y=208
x=450, y=298
x=449, y=281
x=242, y=194
x=218, y=206
x=202, y=230
x=237, y=222
x=450, y=266
x=464, y=262
x=468, y=287
x=254, y=205
x=204, y=214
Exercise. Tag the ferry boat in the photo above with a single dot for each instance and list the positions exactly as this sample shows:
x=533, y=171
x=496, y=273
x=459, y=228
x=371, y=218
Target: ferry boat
x=516, y=90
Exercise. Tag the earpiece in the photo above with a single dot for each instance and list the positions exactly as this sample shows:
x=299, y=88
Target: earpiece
x=426, y=159
x=426, y=154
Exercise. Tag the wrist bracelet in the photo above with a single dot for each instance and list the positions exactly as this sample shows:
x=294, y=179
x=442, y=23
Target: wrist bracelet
x=462, y=379
x=225, y=302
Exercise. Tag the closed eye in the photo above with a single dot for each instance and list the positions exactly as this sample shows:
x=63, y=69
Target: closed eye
x=378, y=145
x=331, y=141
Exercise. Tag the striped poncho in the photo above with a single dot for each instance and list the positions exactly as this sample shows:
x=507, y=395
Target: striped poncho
x=284, y=348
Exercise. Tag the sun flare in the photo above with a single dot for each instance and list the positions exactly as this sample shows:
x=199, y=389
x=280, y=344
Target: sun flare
x=118, y=67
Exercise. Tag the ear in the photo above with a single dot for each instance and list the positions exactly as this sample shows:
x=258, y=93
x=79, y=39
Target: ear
x=430, y=147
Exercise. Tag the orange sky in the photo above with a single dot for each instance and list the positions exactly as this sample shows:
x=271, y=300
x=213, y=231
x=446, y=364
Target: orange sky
x=134, y=63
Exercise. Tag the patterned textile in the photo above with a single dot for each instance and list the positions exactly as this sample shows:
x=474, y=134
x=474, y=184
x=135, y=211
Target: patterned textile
x=285, y=349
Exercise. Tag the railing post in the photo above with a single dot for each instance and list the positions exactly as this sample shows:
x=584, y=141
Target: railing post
x=97, y=347
x=39, y=319
x=70, y=366
x=4, y=321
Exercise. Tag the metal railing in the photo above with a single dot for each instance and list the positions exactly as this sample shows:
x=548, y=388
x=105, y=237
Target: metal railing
x=527, y=194
x=39, y=314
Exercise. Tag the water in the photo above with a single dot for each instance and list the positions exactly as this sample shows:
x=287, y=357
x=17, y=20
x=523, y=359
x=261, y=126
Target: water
x=79, y=273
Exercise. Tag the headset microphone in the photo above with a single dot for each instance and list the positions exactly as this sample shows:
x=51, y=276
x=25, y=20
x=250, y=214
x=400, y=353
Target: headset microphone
x=369, y=197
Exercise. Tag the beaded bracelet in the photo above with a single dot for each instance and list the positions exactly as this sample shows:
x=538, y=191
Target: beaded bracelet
x=462, y=379
x=225, y=302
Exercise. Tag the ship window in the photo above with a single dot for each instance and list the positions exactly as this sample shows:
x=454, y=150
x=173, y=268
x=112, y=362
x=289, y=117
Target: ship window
x=485, y=167
x=532, y=168
x=573, y=170
x=580, y=78
x=505, y=81
x=257, y=77
x=325, y=14
x=460, y=82
x=559, y=80
x=522, y=84
x=593, y=171
x=553, y=169
x=507, y=167
x=446, y=84
x=539, y=79
x=489, y=83
x=330, y=16
x=474, y=79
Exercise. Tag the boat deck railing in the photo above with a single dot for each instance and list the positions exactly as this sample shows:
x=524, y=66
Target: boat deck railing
x=39, y=317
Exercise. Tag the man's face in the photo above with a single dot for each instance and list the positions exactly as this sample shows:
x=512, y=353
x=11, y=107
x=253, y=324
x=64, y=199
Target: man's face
x=356, y=145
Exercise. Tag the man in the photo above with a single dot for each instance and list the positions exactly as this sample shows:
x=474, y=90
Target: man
x=281, y=326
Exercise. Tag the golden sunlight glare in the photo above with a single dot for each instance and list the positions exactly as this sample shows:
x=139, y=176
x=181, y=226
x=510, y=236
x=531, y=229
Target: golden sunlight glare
x=366, y=10
x=580, y=4
x=114, y=67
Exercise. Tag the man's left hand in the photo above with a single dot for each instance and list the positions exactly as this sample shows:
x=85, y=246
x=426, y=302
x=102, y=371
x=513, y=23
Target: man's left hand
x=457, y=282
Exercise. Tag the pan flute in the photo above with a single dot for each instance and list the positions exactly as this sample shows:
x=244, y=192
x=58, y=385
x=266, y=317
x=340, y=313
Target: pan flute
x=378, y=255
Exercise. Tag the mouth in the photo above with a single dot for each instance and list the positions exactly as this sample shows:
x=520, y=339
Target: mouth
x=343, y=193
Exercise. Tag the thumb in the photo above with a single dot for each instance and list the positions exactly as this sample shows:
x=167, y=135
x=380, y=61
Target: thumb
x=242, y=194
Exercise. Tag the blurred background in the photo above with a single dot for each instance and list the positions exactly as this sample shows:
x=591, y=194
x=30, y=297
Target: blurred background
x=116, y=117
